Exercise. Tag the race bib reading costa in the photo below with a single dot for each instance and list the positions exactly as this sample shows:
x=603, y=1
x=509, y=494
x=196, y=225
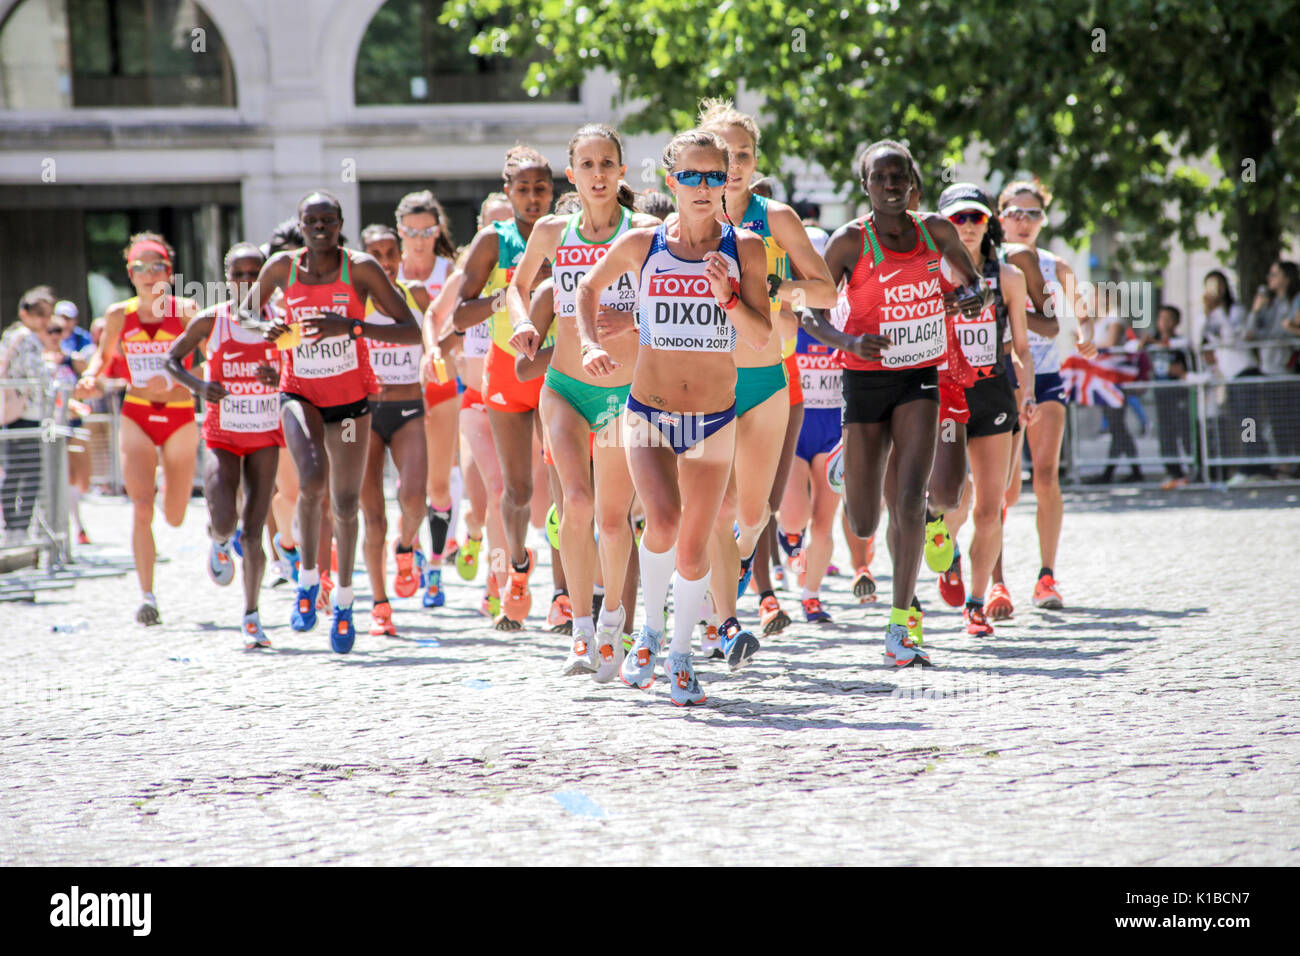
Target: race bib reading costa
x=572, y=262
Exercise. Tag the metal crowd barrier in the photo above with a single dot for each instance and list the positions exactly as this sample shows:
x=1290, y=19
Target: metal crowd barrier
x=1203, y=429
x=34, y=488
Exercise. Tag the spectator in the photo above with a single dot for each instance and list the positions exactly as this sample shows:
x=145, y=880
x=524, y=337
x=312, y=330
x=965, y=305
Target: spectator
x=654, y=203
x=1167, y=351
x=1109, y=336
x=65, y=369
x=22, y=360
x=1226, y=323
x=75, y=338
x=1275, y=303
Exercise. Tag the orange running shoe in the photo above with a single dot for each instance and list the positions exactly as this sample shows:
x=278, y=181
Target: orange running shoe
x=381, y=620
x=864, y=586
x=518, y=600
x=1045, y=594
x=771, y=617
x=560, y=619
x=977, y=623
x=406, y=582
x=951, y=587
x=998, y=606
x=323, y=598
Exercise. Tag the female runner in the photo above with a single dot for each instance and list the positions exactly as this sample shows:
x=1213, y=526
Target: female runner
x=680, y=433
x=157, y=412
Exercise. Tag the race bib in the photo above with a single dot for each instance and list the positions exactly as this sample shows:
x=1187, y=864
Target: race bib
x=821, y=379
x=682, y=315
x=325, y=358
x=147, y=360
x=478, y=340
x=978, y=338
x=251, y=407
x=395, y=364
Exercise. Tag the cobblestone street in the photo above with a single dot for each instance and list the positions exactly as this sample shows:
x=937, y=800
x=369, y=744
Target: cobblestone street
x=1151, y=722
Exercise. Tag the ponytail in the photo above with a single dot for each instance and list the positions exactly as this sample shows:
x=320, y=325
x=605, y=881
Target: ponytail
x=626, y=197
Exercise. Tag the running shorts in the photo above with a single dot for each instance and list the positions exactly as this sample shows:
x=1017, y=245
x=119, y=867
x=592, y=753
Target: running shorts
x=792, y=376
x=158, y=420
x=819, y=434
x=952, y=403
x=871, y=397
x=503, y=392
x=435, y=393
x=472, y=398
x=1050, y=387
x=331, y=414
x=682, y=431
x=593, y=402
x=754, y=386
x=271, y=440
x=387, y=418
x=992, y=403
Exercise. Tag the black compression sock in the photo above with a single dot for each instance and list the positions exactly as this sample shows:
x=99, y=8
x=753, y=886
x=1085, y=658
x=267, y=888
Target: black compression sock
x=401, y=550
x=1045, y=572
x=916, y=604
x=764, y=595
x=439, y=521
x=521, y=568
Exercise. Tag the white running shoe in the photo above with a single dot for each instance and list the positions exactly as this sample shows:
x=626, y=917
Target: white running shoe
x=582, y=654
x=609, y=650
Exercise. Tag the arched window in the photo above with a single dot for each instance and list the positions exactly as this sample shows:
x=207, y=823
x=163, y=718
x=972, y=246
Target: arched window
x=64, y=54
x=407, y=57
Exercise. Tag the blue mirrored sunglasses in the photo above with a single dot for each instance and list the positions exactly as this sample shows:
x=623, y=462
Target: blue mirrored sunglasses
x=691, y=177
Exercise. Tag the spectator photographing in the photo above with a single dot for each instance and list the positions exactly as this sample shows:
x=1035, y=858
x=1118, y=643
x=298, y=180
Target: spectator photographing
x=1168, y=354
x=1226, y=350
x=1276, y=305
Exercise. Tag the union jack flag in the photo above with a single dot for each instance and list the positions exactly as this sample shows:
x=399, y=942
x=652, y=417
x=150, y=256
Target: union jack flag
x=1097, y=381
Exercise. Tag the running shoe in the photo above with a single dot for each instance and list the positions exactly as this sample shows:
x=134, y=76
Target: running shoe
x=560, y=618
x=998, y=605
x=771, y=617
x=778, y=577
x=82, y=537
x=381, y=620
x=609, y=649
x=791, y=544
x=977, y=623
x=147, y=614
x=1045, y=594
x=342, y=635
x=553, y=527
x=451, y=552
x=281, y=571
x=323, y=599
x=686, y=690
x=638, y=668
x=289, y=556
x=864, y=586
x=711, y=641
x=951, y=587
x=254, y=636
x=835, y=468
x=738, y=644
x=915, y=630
x=490, y=606
x=813, y=612
x=518, y=600
x=405, y=581
x=832, y=570
x=582, y=655
x=467, y=558
x=432, y=584
x=221, y=569
x=746, y=574
x=237, y=542
x=304, y=608
x=799, y=563
x=1169, y=484
x=901, y=650
x=938, y=545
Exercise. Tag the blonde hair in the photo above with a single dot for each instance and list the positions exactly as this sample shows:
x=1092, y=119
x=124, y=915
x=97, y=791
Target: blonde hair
x=717, y=113
x=1019, y=186
x=694, y=137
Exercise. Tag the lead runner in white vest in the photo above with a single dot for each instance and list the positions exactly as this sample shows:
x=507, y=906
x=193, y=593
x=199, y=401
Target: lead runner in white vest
x=702, y=283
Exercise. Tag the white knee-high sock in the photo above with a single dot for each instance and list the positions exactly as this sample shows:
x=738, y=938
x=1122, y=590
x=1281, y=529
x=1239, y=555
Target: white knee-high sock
x=656, y=574
x=687, y=596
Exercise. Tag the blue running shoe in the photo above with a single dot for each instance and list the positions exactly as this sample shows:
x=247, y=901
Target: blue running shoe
x=686, y=690
x=237, y=542
x=432, y=584
x=638, y=668
x=220, y=567
x=901, y=650
x=304, y=609
x=289, y=556
x=342, y=634
x=254, y=636
x=738, y=644
x=746, y=572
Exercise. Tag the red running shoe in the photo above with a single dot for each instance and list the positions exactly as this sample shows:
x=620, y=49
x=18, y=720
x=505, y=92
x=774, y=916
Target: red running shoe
x=951, y=587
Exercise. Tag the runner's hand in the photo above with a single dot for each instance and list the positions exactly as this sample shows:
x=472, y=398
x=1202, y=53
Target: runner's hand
x=597, y=363
x=326, y=325
x=212, y=392
x=715, y=270
x=278, y=327
x=968, y=300
x=86, y=387
x=268, y=375
x=525, y=340
x=611, y=323
x=1028, y=411
x=868, y=347
x=1086, y=349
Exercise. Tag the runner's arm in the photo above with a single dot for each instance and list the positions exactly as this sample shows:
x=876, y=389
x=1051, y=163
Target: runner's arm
x=470, y=308
x=196, y=332
x=113, y=319
x=842, y=251
x=542, y=317
x=1082, y=310
x=542, y=243
x=626, y=253
x=752, y=315
x=813, y=287
x=1014, y=294
x=372, y=281
x=972, y=294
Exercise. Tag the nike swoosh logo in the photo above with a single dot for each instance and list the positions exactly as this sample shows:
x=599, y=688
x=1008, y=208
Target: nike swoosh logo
x=705, y=423
x=885, y=278
x=929, y=386
x=408, y=412
x=660, y=272
x=292, y=301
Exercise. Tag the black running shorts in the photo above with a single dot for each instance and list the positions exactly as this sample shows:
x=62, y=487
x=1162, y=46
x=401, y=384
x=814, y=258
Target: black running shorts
x=871, y=397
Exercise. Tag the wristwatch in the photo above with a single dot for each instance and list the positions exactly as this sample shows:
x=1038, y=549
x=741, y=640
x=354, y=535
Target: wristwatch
x=773, y=285
x=356, y=330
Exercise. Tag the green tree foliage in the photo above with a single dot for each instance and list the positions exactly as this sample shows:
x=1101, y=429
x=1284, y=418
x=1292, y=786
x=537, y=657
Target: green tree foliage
x=1108, y=102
